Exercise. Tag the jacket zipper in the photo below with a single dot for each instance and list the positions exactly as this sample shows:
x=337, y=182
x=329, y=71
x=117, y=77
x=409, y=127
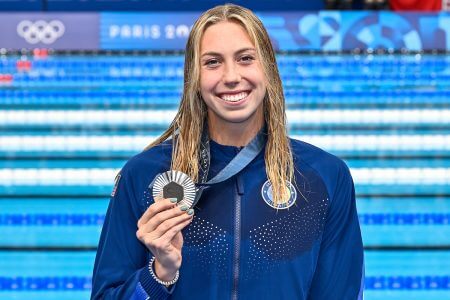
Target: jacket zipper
x=237, y=245
x=237, y=237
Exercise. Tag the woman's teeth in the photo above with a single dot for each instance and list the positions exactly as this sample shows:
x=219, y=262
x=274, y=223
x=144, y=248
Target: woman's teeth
x=235, y=97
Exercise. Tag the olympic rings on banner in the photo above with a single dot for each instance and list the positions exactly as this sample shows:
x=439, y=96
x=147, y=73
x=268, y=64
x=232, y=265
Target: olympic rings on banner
x=40, y=31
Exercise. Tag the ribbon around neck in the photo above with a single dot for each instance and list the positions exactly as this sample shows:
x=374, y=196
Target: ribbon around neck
x=236, y=165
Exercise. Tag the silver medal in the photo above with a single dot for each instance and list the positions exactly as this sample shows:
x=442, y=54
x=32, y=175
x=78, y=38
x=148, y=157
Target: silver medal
x=175, y=184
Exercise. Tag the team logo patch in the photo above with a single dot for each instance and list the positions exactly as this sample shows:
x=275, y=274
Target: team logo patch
x=116, y=184
x=267, y=195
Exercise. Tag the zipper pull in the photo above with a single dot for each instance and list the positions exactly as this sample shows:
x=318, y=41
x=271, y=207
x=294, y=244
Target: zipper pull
x=239, y=185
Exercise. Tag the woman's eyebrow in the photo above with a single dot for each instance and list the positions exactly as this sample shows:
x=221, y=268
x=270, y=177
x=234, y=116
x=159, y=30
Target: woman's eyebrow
x=212, y=53
x=245, y=49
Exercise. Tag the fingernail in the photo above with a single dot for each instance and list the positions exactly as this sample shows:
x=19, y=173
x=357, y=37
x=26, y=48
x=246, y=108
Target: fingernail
x=184, y=208
x=173, y=200
x=190, y=212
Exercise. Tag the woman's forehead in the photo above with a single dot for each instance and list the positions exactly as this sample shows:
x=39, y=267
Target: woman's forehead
x=225, y=36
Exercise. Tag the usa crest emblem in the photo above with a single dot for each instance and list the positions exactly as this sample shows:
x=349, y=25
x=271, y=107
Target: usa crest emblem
x=267, y=195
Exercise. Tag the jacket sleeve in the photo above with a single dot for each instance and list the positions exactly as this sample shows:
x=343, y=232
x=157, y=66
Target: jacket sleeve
x=339, y=272
x=121, y=264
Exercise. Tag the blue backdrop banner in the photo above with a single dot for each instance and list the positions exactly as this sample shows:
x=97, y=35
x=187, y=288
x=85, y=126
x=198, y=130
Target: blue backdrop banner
x=325, y=30
x=315, y=31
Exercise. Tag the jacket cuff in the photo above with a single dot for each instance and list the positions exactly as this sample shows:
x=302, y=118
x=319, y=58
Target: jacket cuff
x=154, y=289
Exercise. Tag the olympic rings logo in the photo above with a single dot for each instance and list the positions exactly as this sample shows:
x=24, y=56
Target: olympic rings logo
x=41, y=31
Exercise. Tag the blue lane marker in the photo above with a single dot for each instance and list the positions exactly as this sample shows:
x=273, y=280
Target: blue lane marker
x=408, y=283
x=97, y=219
x=51, y=219
x=45, y=283
x=405, y=219
x=72, y=283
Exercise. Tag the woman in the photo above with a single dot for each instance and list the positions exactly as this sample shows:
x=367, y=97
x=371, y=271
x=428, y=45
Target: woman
x=281, y=222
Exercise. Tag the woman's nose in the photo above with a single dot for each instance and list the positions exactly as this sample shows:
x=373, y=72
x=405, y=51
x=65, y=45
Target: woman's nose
x=231, y=74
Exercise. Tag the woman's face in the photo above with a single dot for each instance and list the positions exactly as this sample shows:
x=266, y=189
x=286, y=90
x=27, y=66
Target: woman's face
x=232, y=81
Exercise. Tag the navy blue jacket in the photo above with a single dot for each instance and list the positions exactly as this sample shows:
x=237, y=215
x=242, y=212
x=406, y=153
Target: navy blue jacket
x=238, y=246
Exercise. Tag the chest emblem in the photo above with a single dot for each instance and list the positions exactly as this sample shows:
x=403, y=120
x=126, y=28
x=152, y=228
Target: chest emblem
x=267, y=195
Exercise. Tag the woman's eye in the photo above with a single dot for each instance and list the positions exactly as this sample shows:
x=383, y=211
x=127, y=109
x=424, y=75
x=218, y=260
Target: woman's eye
x=247, y=59
x=212, y=62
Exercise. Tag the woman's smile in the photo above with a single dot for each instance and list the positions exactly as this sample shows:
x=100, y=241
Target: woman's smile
x=234, y=98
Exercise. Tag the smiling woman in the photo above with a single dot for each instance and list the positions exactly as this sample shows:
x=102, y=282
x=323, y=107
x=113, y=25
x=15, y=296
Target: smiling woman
x=275, y=218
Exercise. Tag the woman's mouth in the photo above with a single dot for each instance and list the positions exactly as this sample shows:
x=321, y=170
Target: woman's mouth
x=236, y=97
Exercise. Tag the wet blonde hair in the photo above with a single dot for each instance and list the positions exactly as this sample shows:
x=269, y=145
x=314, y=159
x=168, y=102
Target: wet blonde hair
x=187, y=126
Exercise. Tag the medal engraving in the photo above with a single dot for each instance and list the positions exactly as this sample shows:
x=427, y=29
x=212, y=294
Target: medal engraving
x=173, y=190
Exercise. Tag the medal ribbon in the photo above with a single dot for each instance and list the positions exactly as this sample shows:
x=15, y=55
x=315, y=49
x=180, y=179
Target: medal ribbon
x=237, y=164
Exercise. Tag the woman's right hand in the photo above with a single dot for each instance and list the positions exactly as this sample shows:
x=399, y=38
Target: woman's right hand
x=159, y=229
